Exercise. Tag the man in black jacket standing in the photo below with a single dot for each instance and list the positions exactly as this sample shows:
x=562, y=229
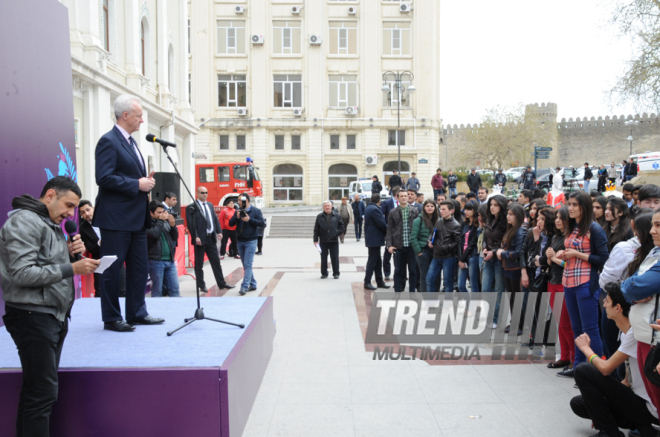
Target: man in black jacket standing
x=395, y=180
x=375, y=229
x=247, y=219
x=474, y=181
x=90, y=238
x=162, y=240
x=376, y=186
x=327, y=229
x=444, y=240
x=588, y=174
x=399, y=227
x=500, y=180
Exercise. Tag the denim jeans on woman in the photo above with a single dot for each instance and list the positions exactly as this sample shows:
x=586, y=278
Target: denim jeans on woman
x=424, y=262
x=472, y=271
x=493, y=273
x=582, y=308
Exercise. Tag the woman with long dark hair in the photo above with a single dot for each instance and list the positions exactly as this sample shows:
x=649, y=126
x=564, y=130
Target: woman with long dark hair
x=600, y=203
x=549, y=258
x=468, y=256
x=617, y=228
x=534, y=206
x=641, y=288
x=584, y=255
x=419, y=235
x=494, y=231
x=510, y=251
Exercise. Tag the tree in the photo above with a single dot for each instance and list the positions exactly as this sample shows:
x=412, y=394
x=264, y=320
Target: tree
x=640, y=81
x=506, y=137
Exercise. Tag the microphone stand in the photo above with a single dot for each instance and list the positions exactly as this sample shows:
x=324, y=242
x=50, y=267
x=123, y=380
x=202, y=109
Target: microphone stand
x=199, y=312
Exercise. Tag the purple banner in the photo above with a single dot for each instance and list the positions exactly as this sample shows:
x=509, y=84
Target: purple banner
x=36, y=95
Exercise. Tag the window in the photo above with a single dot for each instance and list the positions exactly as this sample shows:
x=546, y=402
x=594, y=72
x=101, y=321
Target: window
x=206, y=174
x=295, y=142
x=288, y=91
x=279, y=142
x=232, y=91
x=170, y=70
x=240, y=172
x=396, y=38
x=223, y=174
x=143, y=47
x=106, y=25
x=339, y=179
x=343, y=91
x=287, y=183
x=334, y=142
x=396, y=140
x=343, y=37
x=231, y=37
x=240, y=142
x=286, y=37
x=224, y=142
x=391, y=98
x=350, y=142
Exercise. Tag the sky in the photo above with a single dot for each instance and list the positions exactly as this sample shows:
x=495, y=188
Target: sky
x=522, y=51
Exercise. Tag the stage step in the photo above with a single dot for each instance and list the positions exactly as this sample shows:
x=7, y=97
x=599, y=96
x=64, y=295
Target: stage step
x=297, y=227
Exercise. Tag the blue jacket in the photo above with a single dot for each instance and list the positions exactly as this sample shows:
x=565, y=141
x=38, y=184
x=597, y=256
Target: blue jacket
x=640, y=286
x=511, y=254
x=387, y=206
x=120, y=205
x=246, y=231
x=358, y=210
x=375, y=226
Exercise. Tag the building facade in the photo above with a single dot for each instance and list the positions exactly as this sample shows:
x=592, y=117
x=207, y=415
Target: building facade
x=131, y=47
x=296, y=85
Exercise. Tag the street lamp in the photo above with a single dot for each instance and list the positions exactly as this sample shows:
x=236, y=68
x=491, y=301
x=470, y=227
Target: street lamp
x=631, y=123
x=399, y=88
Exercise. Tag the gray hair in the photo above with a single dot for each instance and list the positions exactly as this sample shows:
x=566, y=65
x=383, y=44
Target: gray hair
x=124, y=103
x=328, y=201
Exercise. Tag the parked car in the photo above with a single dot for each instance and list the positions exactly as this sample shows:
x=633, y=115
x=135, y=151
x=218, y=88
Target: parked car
x=363, y=188
x=514, y=173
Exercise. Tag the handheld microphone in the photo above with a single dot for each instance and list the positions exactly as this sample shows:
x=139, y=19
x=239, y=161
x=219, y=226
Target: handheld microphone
x=72, y=229
x=152, y=139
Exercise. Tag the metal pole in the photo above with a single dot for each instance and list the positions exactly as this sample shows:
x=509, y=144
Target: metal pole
x=631, y=140
x=398, y=116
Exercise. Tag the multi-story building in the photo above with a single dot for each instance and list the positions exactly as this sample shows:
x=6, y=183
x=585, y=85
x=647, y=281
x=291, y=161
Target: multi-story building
x=131, y=47
x=297, y=85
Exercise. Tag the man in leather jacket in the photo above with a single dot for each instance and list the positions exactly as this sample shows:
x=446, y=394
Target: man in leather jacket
x=398, y=241
x=327, y=229
x=444, y=241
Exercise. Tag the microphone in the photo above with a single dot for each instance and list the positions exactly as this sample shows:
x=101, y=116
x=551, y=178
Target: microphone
x=72, y=229
x=152, y=139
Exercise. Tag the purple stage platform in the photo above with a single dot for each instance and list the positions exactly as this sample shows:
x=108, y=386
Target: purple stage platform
x=201, y=381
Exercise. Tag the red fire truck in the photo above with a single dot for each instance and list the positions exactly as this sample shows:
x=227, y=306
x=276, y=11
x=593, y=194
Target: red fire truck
x=228, y=180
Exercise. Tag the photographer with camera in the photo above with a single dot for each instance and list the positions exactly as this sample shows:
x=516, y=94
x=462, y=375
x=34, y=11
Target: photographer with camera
x=247, y=219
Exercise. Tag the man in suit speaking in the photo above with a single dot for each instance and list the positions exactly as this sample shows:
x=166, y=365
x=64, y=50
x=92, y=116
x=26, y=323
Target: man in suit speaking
x=122, y=214
x=205, y=231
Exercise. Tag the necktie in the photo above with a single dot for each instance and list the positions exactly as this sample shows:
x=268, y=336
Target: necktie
x=137, y=153
x=209, y=222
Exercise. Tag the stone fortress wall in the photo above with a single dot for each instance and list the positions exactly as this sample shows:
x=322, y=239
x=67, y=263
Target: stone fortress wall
x=584, y=139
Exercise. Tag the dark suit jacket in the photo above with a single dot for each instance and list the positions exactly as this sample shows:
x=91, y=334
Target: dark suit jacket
x=90, y=239
x=198, y=229
x=120, y=205
x=375, y=226
x=387, y=206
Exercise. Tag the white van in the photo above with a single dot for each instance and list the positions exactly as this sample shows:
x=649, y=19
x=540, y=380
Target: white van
x=646, y=161
x=363, y=188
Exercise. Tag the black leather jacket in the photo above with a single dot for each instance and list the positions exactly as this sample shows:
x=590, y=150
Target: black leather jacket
x=328, y=227
x=500, y=178
x=445, y=237
x=154, y=240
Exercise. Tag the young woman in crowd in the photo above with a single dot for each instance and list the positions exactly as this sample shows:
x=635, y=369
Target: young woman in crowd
x=641, y=288
x=618, y=227
x=534, y=207
x=600, y=204
x=585, y=254
x=494, y=230
x=483, y=217
x=468, y=256
x=549, y=258
x=419, y=235
x=510, y=251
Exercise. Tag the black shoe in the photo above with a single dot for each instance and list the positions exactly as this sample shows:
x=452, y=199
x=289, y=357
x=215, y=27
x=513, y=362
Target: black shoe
x=567, y=372
x=336, y=276
x=242, y=292
x=259, y=253
x=604, y=434
x=382, y=285
x=227, y=286
x=252, y=289
x=324, y=276
x=118, y=326
x=368, y=286
x=387, y=278
x=507, y=329
x=147, y=321
x=203, y=290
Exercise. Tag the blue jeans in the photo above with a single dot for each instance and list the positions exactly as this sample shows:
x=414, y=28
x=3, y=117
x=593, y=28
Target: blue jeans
x=424, y=262
x=163, y=271
x=586, y=186
x=472, y=271
x=582, y=308
x=493, y=272
x=452, y=191
x=247, y=249
x=447, y=265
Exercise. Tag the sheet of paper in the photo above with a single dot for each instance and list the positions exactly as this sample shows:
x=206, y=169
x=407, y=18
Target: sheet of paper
x=97, y=231
x=106, y=262
x=318, y=247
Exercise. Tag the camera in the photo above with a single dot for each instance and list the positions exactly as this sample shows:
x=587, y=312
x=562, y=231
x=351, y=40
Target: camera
x=241, y=211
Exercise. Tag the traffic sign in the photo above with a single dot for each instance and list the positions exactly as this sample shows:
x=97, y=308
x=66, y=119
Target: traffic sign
x=542, y=157
x=542, y=153
x=543, y=149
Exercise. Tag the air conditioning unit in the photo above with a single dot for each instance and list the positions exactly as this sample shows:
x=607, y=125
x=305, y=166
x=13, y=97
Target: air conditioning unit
x=239, y=9
x=242, y=112
x=297, y=112
x=315, y=39
x=371, y=160
x=351, y=110
x=295, y=10
x=405, y=7
x=352, y=10
x=257, y=39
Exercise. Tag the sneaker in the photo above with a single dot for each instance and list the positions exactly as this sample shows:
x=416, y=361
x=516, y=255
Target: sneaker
x=242, y=292
x=567, y=372
x=252, y=288
x=494, y=325
x=259, y=253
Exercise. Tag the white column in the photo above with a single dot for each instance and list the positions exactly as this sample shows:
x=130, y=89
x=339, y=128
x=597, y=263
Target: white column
x=133, y=61
x=98, y=117
x=161, y=34
x=182, y=59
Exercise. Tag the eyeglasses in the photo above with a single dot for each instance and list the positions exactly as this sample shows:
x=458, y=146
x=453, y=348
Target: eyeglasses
x=203, y=192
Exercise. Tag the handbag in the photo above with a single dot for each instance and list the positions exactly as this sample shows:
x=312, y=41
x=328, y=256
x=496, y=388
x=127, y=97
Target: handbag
x=540, y=284
x=653, y=358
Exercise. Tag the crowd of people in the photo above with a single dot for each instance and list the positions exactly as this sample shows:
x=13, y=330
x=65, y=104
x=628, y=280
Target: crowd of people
x=601, y=252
